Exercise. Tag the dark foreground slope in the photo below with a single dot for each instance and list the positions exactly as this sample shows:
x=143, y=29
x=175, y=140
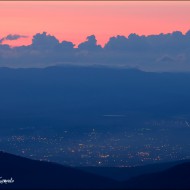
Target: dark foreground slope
x=177, y=177
x=31, y=174
x=125, y=173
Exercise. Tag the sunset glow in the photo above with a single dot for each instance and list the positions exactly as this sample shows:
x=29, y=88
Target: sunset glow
x=74, y=21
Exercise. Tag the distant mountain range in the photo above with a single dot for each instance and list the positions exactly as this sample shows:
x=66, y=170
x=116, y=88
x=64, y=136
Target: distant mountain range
x=33, y=174
x=91, y=91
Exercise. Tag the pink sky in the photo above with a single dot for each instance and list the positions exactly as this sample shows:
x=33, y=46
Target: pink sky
x=75, y=20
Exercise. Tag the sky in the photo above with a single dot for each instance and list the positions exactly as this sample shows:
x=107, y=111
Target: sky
x=75, y=20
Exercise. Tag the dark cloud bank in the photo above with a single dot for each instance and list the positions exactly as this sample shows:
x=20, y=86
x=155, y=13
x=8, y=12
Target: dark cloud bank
x=163, y=52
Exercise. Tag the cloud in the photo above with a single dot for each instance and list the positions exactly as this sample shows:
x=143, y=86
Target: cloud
x=152, y=52
x=12, y=37
x=134, y=42
x=66, y=46
x=1, y=40
x=116, y=43
x=44, y=41
x=89, y=44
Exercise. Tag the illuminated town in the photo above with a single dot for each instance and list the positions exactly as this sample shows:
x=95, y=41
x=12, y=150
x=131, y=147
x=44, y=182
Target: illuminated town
x=124, y=147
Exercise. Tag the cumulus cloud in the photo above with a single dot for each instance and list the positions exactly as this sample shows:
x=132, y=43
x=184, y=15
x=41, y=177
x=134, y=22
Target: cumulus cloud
x=153, y=52
x=66, y=46
x=89, y=44
x=44, y=41
x=116, y=43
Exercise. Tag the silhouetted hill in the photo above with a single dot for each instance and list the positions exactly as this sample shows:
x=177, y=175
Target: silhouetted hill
x=177, y=177
x=31, y=174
